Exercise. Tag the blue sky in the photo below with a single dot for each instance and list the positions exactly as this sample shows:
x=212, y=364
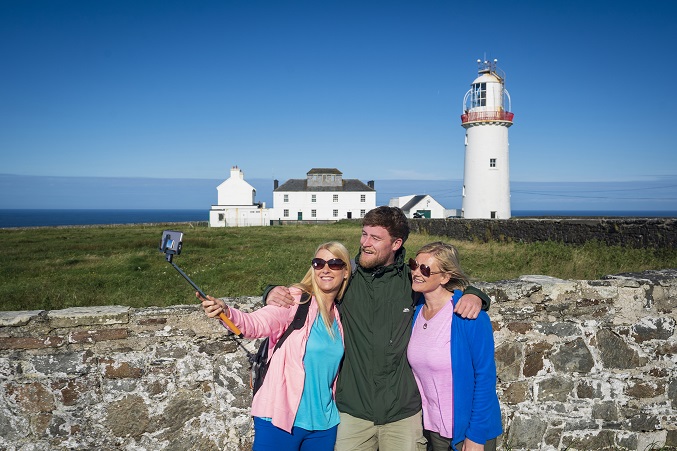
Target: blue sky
x=180, y=91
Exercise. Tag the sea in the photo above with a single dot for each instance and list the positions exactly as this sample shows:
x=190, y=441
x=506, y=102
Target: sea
x=11, y=218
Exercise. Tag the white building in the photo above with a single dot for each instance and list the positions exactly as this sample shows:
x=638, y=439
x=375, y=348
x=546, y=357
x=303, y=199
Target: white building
x=486, y=174
x=324, y=195
x=420, y=206
x=237, y=205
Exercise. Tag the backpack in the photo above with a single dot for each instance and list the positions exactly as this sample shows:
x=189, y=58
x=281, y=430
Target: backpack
x=260, y=360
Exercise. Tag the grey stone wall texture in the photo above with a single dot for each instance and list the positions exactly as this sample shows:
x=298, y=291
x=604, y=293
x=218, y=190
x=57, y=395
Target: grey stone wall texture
x=581, y=365
x=630, y=232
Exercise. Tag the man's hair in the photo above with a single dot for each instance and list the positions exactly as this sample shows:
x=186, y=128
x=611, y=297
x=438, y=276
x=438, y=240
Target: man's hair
x=390, y=218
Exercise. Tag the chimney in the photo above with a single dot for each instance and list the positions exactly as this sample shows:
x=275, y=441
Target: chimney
x=370, y=184
x=275, y=184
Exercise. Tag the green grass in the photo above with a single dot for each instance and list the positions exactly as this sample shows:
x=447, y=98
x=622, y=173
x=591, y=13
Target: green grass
x=55, y=268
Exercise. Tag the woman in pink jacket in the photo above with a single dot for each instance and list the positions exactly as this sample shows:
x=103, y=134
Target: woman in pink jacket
x=294, y=409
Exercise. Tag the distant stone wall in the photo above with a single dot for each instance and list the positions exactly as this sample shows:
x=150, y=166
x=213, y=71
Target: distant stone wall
x=581, y=365
x=632, y=232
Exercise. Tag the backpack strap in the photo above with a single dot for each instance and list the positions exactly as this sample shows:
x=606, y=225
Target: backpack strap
x=298, y=321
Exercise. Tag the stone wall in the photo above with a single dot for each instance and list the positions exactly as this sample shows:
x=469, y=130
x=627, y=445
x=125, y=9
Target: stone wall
x=632, y=232
x=581, y=365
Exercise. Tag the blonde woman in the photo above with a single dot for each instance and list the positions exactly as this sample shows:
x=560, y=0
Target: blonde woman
x=295, y=409
x=452, y=357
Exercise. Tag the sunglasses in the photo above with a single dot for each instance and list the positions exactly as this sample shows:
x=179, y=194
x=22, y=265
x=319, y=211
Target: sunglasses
x=425, y=270
x=334, y=264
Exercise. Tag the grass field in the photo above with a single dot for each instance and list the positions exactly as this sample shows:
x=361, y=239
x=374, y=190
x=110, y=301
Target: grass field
x=55, y=268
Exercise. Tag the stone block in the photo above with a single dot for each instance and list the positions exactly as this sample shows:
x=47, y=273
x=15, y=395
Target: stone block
x=7, y=343
x=559, y=329
x=94, y=336
x=671, y=438
x=509, y=361
x=18, y=319
x=672, y=392
x=127, y=417
x=615, y=352
x=589, y=389
x=534, y=358
x=526, y=432
x=573, y=357
x=602, y=440
x=515, y=393
x=644, y=388
x=60, y=364
x=556, y=388
x=89, y=316
x=642, y=422
x=113, y=369
x=656, y=328
x=605, y=410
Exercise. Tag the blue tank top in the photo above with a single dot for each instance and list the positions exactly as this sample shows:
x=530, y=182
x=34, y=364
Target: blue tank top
x=317, y=409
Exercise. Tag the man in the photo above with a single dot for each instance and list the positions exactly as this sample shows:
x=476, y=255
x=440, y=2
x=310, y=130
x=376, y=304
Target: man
x=376, y=393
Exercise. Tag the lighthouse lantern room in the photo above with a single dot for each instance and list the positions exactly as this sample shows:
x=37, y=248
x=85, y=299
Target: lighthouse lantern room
x=486, y=118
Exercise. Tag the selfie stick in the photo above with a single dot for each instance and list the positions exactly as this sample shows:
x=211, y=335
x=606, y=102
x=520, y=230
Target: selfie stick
x=222, y=316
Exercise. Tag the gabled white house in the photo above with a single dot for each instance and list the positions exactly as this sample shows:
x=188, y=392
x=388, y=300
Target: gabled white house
x=420, y=206
x=324, y=195
x=237, y=205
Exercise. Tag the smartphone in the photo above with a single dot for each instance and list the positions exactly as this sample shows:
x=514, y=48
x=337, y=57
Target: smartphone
x=171, y=242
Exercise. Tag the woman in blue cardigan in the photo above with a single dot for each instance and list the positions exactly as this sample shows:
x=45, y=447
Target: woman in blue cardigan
x=452, y=357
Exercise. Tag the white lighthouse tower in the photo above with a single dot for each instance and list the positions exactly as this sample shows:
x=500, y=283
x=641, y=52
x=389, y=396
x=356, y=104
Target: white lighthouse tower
x=486, y=174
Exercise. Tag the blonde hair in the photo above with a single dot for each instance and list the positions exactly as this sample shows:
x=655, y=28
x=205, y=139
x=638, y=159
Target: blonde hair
x=447, y=258
x=309, y=285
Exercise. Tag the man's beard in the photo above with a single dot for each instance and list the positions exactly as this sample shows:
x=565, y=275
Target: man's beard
x=373, y=260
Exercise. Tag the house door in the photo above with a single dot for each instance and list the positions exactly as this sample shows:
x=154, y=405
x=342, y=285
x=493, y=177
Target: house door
x=300, y=216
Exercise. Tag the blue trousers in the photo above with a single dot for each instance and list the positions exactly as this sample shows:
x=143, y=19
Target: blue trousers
x=271, y=438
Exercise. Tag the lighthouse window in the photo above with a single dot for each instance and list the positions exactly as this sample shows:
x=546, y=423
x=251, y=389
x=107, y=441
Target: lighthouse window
x=479, y=95
x=492, y=162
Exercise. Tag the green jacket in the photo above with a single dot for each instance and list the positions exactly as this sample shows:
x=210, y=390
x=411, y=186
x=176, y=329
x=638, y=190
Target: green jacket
x=375, y=382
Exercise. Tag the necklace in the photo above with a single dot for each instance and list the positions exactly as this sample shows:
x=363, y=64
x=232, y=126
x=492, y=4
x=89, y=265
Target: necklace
x=430, y=310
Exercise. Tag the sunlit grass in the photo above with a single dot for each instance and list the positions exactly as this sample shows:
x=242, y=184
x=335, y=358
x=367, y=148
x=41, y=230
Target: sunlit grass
x=55, y=268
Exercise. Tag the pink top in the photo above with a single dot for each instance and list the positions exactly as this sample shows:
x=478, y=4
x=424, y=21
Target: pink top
x=280, y=395
x=430, y=359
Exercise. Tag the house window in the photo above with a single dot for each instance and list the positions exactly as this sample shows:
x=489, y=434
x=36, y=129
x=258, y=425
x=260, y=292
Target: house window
x=286, y=197
x=221, y=217
x=313, y=197
x=363, y=197
x=313, y=213
x=335, y=197
x=493, y=215
x=492, y=162
x=285, y=213
x=362, y=212
x=336, y=213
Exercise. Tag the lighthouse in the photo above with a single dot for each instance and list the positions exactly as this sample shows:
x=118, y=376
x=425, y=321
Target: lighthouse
x=486, y=173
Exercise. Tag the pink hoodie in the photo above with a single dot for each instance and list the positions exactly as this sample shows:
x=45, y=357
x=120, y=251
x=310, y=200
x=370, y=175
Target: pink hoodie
x=280, y=395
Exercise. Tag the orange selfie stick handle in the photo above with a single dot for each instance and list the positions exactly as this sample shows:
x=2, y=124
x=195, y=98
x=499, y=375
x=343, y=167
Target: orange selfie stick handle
x=231, y=326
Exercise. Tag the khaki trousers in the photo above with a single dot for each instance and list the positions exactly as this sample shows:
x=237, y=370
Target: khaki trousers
x=356, y=434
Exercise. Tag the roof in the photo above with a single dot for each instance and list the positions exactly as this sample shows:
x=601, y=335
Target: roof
x=302, y=185
x=413, y=202
x=324, y=171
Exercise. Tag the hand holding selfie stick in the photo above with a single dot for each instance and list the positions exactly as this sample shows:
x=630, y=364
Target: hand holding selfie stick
x=171, y=245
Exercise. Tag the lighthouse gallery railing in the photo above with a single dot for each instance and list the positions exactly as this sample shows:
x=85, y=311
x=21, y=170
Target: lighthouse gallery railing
x=486, y=116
